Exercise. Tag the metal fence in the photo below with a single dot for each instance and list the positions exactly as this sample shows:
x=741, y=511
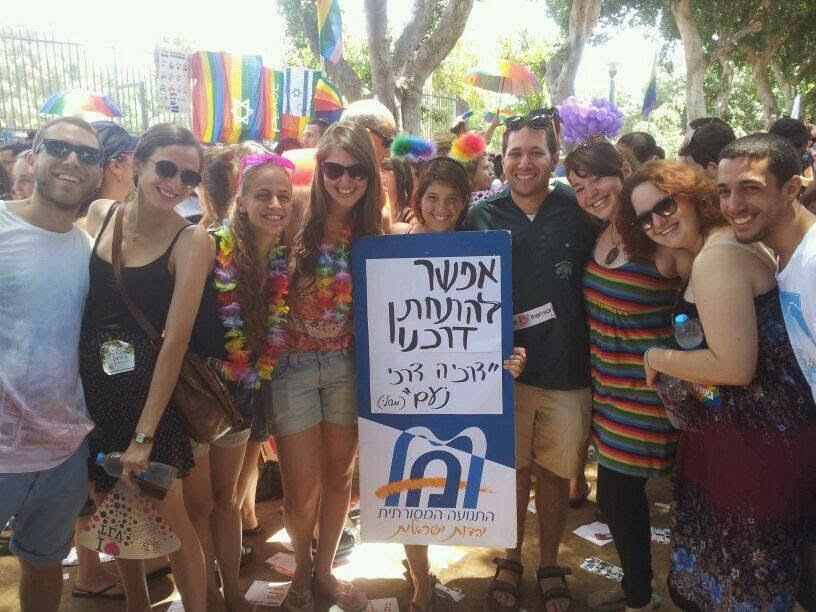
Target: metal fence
x=436, y=113
x=34, y=65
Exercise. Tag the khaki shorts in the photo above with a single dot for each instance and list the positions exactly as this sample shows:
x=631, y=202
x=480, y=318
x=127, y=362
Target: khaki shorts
x=231, y=438
x=552, y=428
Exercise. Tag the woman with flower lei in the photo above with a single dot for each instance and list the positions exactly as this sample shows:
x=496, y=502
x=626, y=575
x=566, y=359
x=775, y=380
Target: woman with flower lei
x=312, y=412
x=240, y=328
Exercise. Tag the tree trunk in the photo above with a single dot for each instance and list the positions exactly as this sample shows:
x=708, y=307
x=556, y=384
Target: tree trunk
x=786, y=86
x=562, y=68
x=379, y=54
x=726, y=83
x=410, y=109
x=695, y=59
x=759, y=66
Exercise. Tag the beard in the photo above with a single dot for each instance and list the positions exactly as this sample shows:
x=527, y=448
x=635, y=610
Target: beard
x=74, y=199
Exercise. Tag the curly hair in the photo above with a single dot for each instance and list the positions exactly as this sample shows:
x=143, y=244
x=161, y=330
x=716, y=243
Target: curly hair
x=449, y=172
x=251, y=287
x=366, y=214
x=676, y=179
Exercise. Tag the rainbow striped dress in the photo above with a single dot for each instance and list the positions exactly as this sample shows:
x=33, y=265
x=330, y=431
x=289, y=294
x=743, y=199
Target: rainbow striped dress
x=628, y=310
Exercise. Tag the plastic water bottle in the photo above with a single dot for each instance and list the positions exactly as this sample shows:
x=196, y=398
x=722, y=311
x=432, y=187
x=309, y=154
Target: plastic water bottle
x=687, y=332
x=155, y=479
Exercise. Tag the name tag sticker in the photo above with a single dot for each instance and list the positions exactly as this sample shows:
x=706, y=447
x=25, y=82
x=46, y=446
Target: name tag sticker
x=117, y=357
x=528, y=318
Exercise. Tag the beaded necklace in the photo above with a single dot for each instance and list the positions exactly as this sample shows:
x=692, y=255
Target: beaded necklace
x=238, y=365
x=333, y=279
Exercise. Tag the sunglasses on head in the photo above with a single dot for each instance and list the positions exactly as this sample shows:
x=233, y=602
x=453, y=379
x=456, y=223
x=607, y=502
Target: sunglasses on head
x=333, y=171
x=539, y=119
x=665, y=208
x=387, y=141
x=61, y=150
x=167, y=170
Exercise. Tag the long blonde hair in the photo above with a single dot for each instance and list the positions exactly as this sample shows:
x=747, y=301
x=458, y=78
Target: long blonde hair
x=251, y=287
x=365, y=215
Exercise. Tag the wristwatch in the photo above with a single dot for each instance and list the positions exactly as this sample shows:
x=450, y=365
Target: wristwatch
x=141, y=438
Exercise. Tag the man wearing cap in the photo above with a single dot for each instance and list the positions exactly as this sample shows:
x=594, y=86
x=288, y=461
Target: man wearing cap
x=117, y=162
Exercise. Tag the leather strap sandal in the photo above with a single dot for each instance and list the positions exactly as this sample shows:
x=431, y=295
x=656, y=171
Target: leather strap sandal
x=559, y=592
x=502, y=586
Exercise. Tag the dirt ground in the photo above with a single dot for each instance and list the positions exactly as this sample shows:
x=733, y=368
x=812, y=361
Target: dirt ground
x=377, y=569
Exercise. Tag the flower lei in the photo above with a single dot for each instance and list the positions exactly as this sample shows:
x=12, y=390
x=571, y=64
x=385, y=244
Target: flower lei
x=238, y=366
x=333, y=280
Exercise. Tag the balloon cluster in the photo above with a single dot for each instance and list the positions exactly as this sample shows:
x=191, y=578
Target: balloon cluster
x=582, y=119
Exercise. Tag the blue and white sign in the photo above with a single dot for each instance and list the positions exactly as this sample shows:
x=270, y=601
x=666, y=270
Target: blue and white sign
x=433, y=325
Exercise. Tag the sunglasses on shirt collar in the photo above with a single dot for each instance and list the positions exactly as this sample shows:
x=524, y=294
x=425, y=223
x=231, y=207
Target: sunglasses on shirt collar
x=61, y=150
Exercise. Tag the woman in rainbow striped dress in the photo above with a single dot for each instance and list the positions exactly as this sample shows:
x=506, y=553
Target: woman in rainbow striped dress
x=628, y=304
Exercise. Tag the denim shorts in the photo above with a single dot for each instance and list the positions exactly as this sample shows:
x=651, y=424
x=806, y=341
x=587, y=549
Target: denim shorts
x=311, y=387
x=43, y=506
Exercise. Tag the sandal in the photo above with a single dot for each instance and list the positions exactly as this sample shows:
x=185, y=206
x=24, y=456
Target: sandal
x=100, y=594
x=580, y=501
x=299, y=602
x=560, y=592
x=343, y=597
x=595, y=601
x=440, y=601
x=503, y=586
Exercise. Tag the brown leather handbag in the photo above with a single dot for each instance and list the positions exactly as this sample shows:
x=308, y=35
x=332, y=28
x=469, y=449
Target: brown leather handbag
x=205, y=408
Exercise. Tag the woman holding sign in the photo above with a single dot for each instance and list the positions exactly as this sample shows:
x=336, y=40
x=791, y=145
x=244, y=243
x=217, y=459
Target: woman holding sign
x=439, y=203
x=312, y=411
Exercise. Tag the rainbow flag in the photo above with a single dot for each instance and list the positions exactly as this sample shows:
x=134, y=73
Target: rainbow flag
x=330, y=30
x=328, y=103
x=234, y=98
x=650, y=98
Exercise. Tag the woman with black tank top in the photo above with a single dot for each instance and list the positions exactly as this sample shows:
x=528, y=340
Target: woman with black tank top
x=164, y=266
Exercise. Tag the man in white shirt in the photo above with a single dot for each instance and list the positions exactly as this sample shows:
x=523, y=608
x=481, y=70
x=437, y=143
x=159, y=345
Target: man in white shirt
x=758, y=183
x=44, y=421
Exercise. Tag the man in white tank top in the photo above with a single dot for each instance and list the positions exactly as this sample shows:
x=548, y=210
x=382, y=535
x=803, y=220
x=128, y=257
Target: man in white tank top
x=758, y=183
x=43, y=418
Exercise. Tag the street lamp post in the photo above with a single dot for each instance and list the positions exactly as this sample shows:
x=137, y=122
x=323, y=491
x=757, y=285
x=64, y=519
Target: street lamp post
x=613, y=70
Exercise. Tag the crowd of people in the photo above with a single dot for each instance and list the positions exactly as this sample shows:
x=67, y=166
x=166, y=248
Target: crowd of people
x=217, y=250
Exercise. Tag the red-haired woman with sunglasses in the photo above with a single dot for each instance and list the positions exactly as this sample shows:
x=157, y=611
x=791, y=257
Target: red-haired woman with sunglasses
x=743, y=480
x=165, y=262
x=312, y=411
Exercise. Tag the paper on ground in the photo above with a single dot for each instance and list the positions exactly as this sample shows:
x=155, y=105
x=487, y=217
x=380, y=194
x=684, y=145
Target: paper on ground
x=597, y=533
x=455, y=594
x=375, y=605
x=603, y=568
x=283, y=562
x=267, y=593
x=661, y=535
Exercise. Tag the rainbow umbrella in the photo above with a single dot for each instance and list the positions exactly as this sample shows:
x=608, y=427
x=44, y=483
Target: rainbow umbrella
x=504, y=77
x=70, y=101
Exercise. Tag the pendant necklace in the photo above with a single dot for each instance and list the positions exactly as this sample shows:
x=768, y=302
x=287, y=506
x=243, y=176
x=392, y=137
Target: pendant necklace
x=613, y=253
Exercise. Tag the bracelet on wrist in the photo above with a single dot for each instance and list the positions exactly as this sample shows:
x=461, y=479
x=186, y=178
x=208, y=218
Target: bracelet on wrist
x=646, y=356
x=141, y=438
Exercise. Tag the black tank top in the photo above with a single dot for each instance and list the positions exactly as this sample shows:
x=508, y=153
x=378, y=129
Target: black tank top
x=149, y=286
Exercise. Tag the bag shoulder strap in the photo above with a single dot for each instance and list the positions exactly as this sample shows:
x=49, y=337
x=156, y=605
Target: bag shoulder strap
x=116, y=256
x=111, y=209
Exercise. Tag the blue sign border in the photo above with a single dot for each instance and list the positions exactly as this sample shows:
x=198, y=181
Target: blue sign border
x=448, y=244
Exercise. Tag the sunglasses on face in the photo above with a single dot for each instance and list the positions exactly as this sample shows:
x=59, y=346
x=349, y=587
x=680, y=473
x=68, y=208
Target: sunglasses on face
x=61, y=150
x=333, y=171
x=665, y=208
x=387, y=141
x=167, y=170
x=539, y=119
